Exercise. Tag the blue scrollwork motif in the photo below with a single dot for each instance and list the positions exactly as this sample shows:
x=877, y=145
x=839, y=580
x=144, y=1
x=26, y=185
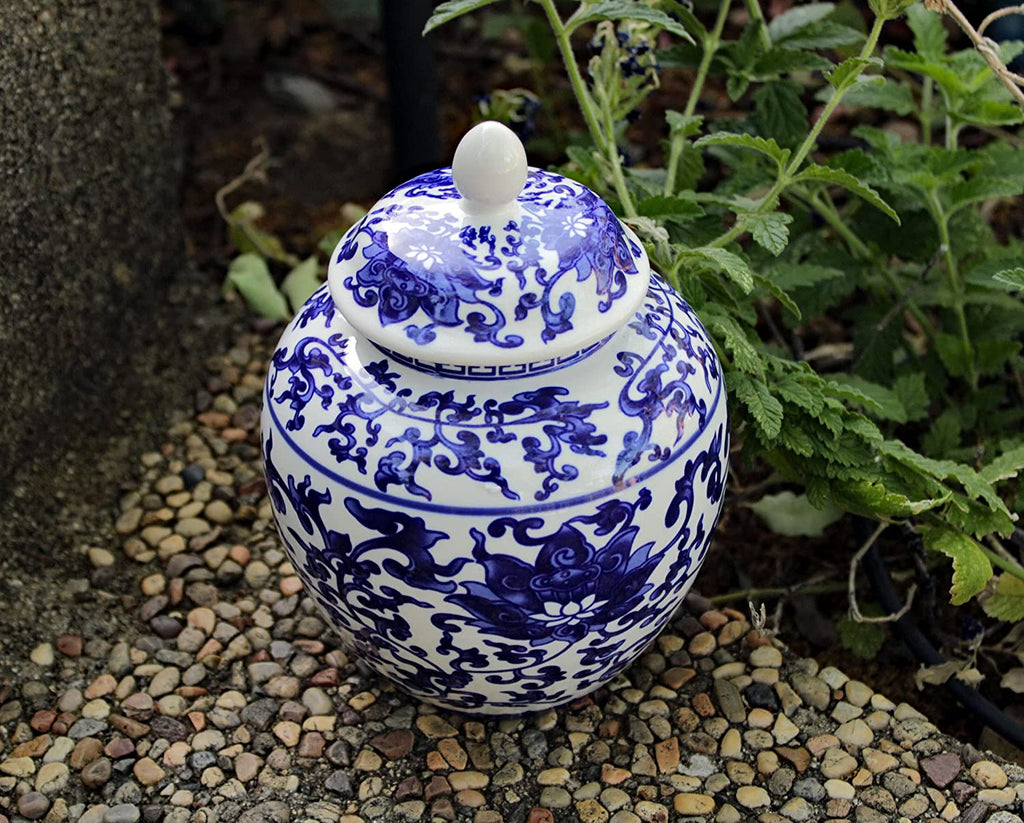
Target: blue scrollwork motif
x=663, y=367
x=551, y=602
x=426, y=270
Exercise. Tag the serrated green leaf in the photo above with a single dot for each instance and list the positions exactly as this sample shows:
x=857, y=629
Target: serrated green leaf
x=770, y=231
x=593, y=12
x=1010, y=279
x=882, y=402
x=794, y=437
x=690, y=169
x=824, y=35
x=732, y=265
x=745, y=356
x=766, y=147
x=301, y=282
x=840, y=177
x=784, y=299
x=736, y=84
x=451, y=9
x=889, y=95
x=689, y=19
x=991, y=356
x=669, y=208
x=980, y=111
x=1007, y=600
x=1006, y=466
x=792, y=515
x=793, y=391
x=764, y=408
x=778, y=61
x=865, y=640
x=971, y=568
x=845, y=73
x=980, y=188
x=889, y=9
x=969, y=479
x=683, y=125
x=929, y=32
x=798, y=18
x=941, y=74
x=790, y=276
x=779, y=112
x=953, y=354
x=249, y=274
x=912, y=394
x=872, y=499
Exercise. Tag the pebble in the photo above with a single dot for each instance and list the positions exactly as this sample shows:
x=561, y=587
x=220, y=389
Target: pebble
x=147, y=772
x=33, y=805
x=122, y=813
x=42, y=655
x=988, y=775
x=96, y=773
x=233, y=692
x=51, y=778
x=690, y=803
x=941, y=769
x=752, y=797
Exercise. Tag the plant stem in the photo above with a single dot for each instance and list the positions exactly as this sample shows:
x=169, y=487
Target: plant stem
x=780, y=591
x=787, y=174
x=614, y=160
x=926, y=111
x=579, y=87
x=757, y=16
x=711, y=44
x=830, y=215
x=956, y=283
x=998, y=560
x=832, y=104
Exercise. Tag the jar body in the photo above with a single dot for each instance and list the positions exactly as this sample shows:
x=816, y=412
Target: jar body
x=497, y=539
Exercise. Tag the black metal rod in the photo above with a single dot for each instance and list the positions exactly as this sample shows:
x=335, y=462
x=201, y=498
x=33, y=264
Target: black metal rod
x=412, y=84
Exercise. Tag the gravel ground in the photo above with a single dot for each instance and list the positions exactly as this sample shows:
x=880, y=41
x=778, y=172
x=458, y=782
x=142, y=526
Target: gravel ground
x=215, y=693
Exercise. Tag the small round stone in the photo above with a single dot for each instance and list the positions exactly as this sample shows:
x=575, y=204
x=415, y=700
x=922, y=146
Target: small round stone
x=42, y=655
x=33, y=805
x=752, y=797
x=988, y=775
x=147, y=772
x=122, y=813
x=691, y=803
x=766, y=657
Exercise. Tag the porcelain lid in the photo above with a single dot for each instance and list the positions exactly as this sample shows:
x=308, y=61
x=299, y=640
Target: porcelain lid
x=490, y=262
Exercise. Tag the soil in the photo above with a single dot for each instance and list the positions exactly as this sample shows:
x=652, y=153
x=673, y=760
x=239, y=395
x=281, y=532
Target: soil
x=227, y=62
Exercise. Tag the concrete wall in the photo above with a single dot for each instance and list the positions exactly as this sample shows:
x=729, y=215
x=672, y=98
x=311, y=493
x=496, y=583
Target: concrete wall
x=90, y=235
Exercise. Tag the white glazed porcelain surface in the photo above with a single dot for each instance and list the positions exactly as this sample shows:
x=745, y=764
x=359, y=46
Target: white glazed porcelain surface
x=496, y=444
x=498, y=544
x=436, y=277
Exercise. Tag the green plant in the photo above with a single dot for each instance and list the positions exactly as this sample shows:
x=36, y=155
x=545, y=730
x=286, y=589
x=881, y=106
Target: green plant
x=249, y=273
x=766, y=234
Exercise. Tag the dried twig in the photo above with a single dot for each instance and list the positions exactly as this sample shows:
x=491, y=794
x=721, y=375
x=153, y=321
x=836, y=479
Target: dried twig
x=985, y=46
x=855, y=612
x=255, y=170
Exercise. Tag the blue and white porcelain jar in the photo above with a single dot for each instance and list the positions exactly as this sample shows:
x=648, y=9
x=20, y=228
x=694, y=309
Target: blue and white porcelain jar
x=496, y=443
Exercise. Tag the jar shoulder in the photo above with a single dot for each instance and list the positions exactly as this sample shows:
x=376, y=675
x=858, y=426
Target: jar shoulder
x=556, y=430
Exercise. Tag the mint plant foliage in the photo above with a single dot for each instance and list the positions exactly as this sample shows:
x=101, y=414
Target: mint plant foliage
x=919, y=419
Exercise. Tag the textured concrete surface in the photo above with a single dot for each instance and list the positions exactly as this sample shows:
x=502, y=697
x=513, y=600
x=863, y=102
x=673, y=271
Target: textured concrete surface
x=89, y=226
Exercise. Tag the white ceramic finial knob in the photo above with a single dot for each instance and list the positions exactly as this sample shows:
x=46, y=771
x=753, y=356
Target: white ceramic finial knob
x=489, y=167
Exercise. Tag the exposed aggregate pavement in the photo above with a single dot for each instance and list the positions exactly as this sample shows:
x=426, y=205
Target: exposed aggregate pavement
x=232, y=701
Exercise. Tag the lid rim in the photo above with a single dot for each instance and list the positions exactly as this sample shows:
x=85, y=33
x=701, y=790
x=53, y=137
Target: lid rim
x=425, y=277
